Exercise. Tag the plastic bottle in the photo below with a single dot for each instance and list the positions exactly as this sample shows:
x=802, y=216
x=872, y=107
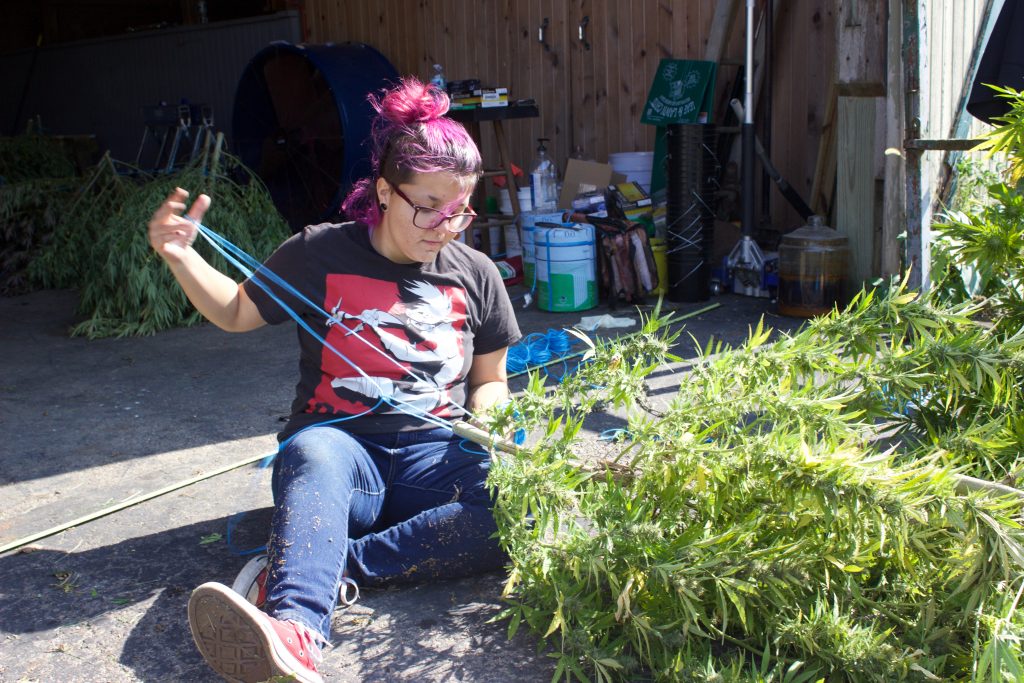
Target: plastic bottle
x=543, y=180
x=438, y=79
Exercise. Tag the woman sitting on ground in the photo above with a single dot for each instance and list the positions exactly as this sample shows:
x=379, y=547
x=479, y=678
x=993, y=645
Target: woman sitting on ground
x=370, y=485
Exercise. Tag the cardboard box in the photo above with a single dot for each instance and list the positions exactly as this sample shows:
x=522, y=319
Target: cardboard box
x=585, y=176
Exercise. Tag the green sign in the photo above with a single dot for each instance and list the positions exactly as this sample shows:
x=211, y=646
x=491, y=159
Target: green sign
x=683, y=91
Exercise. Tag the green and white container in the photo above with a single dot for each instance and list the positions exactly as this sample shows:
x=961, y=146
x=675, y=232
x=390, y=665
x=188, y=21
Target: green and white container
x=566, y=268
x=529, y=224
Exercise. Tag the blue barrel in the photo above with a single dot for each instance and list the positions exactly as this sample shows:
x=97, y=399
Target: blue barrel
x=301, y=120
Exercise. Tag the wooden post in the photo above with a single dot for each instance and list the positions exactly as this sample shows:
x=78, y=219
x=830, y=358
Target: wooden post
x=721, y=29
x=824, y=182
x=860, y=80
x=917, y=256
x=894, y=201
x=855, y=185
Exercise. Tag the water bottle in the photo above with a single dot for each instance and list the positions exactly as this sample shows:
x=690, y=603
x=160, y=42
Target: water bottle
x=438, y=80
x=543, y=180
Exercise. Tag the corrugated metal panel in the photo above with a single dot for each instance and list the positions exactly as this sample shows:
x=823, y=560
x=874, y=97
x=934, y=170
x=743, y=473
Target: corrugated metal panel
x=951, y=34
x=951, y=30
x=99, y=86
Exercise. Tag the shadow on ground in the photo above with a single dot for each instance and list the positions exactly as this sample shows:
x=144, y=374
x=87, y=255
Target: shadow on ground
x=117, y=612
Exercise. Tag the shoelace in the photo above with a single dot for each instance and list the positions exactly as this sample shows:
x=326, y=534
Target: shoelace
x=343, y=588
x=308, y=642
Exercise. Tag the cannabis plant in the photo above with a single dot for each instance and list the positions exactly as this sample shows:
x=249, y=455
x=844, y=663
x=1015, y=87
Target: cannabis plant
x=978, y=247
x=36, y=179
x=799, y=512
x=101, y=245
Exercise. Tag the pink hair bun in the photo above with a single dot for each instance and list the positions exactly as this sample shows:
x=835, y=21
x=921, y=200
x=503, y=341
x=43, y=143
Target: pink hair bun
x=412, y=102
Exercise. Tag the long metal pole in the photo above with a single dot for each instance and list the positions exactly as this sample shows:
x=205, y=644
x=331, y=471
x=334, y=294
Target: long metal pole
x=748, y=128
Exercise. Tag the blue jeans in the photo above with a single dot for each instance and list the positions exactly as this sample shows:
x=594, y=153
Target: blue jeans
x=378, y=508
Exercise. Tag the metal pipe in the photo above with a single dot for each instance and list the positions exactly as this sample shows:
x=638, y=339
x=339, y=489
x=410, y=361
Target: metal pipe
x=747, y=159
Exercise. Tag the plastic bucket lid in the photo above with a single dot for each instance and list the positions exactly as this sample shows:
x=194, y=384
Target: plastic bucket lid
x=631, y=161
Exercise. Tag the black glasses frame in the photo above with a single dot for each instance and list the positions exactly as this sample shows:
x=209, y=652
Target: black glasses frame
x=457, y=222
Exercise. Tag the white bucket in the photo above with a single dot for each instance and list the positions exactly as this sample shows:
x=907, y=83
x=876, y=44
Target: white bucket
x=504, y=202
x=636, y=166
x=566, y=268
x=529, y=224
x=525, y=199
x=494, y=241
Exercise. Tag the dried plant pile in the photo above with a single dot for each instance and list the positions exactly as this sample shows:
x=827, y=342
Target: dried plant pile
x=37, y=178
x=761, y=530
x=62, y=260
x=30, y=157
x=101, y=246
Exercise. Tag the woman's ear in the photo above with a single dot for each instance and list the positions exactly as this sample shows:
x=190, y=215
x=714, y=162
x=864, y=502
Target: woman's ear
x=383, y=191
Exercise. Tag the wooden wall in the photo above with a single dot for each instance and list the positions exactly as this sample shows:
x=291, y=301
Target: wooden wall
x=591, y=99
x=803, y=68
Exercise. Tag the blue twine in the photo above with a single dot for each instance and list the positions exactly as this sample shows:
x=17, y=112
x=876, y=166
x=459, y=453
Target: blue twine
x=539, y=350
x=246, y=265
x=464, y=445
x=616, y=434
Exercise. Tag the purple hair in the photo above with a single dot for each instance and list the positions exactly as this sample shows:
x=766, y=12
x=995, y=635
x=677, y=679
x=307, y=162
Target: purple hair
x=410, y=135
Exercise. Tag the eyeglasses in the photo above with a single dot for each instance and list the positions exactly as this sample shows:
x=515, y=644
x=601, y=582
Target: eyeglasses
x=428, y=219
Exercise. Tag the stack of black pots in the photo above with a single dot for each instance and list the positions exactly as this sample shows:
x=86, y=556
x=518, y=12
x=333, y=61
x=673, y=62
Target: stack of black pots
x=691, y=178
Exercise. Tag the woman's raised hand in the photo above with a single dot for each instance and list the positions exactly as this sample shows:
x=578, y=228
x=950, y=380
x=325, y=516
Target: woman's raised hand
x=170, y=232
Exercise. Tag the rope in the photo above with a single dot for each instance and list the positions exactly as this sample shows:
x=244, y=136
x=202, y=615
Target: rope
x=229, y=251
x=539, y=351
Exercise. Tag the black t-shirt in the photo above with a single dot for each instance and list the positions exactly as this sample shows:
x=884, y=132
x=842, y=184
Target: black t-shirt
x=412, y=329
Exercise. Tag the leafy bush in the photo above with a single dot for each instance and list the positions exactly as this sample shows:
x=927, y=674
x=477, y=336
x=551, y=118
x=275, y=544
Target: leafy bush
x=100, y=245
x=978, y=248
x=31, y=157
x=37, y=178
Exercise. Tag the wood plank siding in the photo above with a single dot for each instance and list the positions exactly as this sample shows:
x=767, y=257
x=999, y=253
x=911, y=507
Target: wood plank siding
x=591, y=99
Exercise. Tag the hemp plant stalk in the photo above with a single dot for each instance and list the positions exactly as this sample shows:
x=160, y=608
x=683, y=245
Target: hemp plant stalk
x=793, y=515
x=101, y=246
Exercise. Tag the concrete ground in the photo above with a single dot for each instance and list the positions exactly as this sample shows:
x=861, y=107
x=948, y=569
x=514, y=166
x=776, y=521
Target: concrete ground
x=86, y=425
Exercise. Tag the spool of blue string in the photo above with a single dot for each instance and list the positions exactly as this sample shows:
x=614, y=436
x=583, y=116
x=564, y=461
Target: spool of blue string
x=538, y=350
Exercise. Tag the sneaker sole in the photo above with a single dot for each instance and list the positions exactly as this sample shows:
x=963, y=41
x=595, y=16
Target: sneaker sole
x=234, y=640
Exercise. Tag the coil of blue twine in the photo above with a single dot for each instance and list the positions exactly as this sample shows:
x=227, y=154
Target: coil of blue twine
x=539, y=350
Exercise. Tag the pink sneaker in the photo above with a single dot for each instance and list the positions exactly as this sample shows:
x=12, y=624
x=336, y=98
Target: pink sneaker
x=251, y=583
x=243, y=644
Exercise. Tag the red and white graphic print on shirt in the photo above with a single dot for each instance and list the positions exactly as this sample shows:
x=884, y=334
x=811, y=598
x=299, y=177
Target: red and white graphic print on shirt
x=406, y=337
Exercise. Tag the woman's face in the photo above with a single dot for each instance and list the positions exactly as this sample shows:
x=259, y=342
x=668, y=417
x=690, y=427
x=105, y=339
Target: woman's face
x=396, y=238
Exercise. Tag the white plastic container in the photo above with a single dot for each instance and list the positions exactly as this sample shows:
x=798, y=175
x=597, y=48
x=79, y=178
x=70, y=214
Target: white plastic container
x=566, y=268
x=525, y=199
x=636, y=166
x=529, y=220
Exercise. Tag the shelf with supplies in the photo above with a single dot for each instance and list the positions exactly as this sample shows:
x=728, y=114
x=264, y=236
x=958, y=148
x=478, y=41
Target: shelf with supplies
x=479, y=233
